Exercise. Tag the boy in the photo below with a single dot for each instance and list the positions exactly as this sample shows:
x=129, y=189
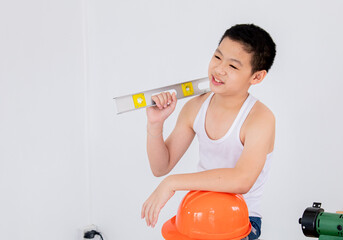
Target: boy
x=235, y=131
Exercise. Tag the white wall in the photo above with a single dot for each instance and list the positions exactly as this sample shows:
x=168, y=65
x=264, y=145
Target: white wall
x=139, y=45
x=43, y=171
x=66, y=158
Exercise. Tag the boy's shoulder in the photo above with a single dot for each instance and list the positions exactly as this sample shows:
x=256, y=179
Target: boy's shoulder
x=259, y=122
x=194, y=104
x=192, y=107
x=260, y=110
x=197, y=101
x=260, y=116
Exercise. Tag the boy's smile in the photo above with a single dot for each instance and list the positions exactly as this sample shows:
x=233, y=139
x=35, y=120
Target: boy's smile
x=216, y=81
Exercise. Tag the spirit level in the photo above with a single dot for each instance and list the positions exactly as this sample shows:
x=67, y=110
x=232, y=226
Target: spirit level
x=143, y=99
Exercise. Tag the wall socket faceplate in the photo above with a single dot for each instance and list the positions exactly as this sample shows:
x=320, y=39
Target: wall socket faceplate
x=89, y=228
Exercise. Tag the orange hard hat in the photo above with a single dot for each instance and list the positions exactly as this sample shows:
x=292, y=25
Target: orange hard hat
x=209, y=215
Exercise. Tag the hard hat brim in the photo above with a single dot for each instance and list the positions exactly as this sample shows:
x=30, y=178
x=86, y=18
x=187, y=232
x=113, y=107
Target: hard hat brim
x=170, y=232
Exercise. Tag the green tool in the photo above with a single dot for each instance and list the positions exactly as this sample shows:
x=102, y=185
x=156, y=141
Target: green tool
x=325, y=226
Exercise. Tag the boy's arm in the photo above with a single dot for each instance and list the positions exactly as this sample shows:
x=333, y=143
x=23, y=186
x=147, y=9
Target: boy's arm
x=164, y=155
x=259, y=137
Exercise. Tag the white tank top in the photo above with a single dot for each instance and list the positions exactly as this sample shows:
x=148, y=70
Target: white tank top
x=225, y=152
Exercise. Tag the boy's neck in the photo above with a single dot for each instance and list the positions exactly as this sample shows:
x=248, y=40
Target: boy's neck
x=228, y=102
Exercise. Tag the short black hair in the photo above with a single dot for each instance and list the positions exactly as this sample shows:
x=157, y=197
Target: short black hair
x=256, y=41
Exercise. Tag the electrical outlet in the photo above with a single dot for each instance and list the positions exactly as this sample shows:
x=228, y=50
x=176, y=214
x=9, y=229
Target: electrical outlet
x=89, y=228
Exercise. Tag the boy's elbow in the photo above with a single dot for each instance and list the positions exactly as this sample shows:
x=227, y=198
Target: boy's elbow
x=243, y=189
x=159, y=173
x=244, y=186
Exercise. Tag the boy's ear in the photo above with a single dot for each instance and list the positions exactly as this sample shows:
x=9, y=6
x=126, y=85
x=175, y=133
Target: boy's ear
x=258, y=77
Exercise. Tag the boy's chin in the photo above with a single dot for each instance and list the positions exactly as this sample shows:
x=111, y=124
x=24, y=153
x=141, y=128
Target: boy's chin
x=221, y=91
x=217, y=89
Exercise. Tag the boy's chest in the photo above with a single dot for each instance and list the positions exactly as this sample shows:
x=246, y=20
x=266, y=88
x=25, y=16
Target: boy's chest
x=217, y=124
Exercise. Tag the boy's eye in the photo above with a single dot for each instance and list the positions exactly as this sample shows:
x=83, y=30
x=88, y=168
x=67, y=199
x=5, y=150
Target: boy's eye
x=233, y=66
x=217, y=57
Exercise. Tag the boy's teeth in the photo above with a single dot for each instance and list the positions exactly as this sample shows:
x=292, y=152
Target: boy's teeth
x=217, y=80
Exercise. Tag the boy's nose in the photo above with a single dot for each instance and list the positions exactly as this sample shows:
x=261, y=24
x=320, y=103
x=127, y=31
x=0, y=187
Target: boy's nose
x=220, y=70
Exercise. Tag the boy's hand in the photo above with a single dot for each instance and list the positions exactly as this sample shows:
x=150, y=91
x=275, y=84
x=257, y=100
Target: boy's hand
x=165, y=105
x=153, y=205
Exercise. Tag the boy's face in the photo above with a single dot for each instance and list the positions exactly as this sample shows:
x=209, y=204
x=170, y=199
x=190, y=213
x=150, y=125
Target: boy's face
x=230, y=70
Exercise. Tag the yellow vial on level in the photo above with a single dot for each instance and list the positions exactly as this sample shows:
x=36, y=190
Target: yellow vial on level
x=139, y=100
x=187, y=89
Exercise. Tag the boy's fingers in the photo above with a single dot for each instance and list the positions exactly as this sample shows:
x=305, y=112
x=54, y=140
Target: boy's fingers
x=156, y=100
x=147, y=209
x=161, y=100
x=174, y=97
x=165, y=98
x=169, y=98
x=151, y=214
x=156, y=213
x=174, y=100
x=143, y=210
